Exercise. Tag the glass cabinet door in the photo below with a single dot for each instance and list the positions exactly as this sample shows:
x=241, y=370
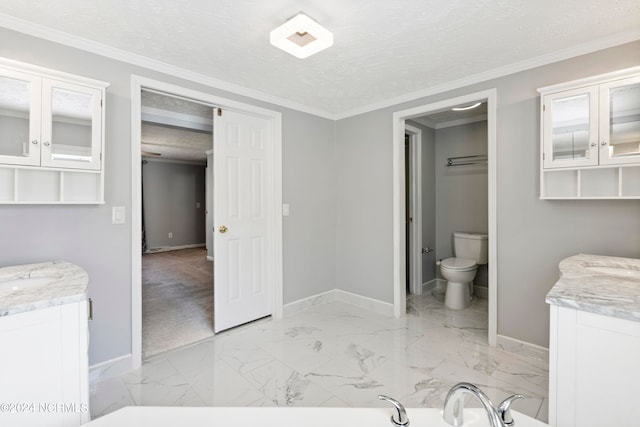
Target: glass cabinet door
x=620, y=121
x=71, y=126
x=570, y=127
x=19, y=118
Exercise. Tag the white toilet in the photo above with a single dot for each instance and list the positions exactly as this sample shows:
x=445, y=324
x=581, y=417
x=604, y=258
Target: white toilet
x=470, y=250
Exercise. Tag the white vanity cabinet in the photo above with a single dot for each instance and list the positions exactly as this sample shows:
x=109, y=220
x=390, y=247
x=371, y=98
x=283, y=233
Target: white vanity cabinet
x=44, y=367
x=594, y=342
x=594, y=369
x=590, y=137
x=51, y=136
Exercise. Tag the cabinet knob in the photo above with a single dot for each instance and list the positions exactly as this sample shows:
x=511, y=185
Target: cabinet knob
x=223, y=229
x=593, y=144
x=603, y=143
x=34, y=142
x=46, y=143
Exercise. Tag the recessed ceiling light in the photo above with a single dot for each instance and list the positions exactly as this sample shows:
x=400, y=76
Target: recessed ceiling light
x=468, y=107
x=301, y=36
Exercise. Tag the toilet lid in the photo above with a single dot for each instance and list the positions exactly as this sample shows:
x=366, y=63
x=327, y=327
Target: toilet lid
x=458, y=263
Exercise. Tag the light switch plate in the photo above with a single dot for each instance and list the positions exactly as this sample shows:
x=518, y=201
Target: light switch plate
x=117, y=215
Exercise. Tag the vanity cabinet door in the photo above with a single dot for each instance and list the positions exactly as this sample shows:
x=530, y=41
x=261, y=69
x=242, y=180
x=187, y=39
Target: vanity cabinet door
x=71, y=125
x=570, y=127
x=20, y=96
x=620, y=121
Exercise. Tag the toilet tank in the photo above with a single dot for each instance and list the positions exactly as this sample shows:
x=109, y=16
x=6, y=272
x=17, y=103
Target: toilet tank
x=473, y=246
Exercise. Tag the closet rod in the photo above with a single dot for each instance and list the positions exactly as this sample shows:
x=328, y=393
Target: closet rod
x=467, y=160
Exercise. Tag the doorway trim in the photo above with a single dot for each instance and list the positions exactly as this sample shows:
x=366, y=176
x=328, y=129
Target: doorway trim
x=138, y=83
x=415, y=207
x=399, y=117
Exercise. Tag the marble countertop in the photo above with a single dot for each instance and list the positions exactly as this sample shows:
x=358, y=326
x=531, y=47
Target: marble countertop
x=599, y=284
x=67, y=284
x=288, y=416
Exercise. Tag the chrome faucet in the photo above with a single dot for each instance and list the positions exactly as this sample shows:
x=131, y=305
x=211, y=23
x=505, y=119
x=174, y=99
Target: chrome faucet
x=401, y=420
x=454, y=405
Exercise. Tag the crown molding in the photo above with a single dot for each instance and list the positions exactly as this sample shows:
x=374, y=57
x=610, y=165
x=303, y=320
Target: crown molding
x=50, y=34
x=538, y=61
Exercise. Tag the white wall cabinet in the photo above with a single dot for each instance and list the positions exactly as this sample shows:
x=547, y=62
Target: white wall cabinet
x=590, y=138
x=44, y=367
x=51, y=136
x=593, y=369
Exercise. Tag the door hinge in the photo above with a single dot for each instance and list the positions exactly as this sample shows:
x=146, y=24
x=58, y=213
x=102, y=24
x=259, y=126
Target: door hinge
x=219, y=112
x=90, y=302
x=544, y=107
x=101, y=103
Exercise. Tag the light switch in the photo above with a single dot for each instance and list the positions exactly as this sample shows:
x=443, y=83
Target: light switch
x=117, y=215
x=285, y=209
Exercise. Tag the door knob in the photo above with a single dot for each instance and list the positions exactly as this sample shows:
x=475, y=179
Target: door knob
x=222, y=229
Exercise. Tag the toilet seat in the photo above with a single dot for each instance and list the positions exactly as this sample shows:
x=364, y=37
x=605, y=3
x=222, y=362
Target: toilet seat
x=458, y=264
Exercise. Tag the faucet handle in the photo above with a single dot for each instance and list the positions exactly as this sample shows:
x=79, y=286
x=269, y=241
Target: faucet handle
x=401, y=419
x=504, y=410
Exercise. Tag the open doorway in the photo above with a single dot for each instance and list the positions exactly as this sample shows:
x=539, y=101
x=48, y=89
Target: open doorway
x=235, y=124
x=177, y=262
x=400, y=120
x=454, y=202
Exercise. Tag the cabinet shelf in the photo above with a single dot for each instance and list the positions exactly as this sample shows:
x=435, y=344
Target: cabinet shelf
x=35, y=185
x=593, y=183
x=590, y=138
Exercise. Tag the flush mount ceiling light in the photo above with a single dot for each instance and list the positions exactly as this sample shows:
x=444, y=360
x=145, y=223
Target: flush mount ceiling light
x=468, y=107
x=301, y=36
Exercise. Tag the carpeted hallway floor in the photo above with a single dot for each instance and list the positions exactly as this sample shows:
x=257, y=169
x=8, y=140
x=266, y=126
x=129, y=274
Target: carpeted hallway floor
x=177, y=299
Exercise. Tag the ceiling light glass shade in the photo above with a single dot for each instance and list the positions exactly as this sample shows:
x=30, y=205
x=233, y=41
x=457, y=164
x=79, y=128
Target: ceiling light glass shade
x=301, y=36
x=468, y=107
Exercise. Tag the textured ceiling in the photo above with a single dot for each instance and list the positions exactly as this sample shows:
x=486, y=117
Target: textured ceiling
x=164, y=137
x=383, y=49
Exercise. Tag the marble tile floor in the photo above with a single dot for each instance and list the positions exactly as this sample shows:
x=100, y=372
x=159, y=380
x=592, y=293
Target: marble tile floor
x=336, y=354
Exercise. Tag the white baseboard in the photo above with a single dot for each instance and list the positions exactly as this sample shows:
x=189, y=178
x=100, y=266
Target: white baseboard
x=305, y=303
x=375, y=305
x=110, y=368
x=174, y=248
x=481, y=291
x=524, y=348
x=430, y=285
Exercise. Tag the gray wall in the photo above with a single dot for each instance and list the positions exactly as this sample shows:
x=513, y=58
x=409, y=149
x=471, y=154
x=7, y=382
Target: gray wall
x=461, y=191
x=533, y=235
x=364, y=229
x=84, y=234
x=172, y=192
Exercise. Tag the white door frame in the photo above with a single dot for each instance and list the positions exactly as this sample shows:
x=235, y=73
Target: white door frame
x=399, y=117
x=415, y=206
x=137, y=84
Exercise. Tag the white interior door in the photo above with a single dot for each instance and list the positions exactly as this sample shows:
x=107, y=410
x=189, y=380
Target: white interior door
x=242, y=289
